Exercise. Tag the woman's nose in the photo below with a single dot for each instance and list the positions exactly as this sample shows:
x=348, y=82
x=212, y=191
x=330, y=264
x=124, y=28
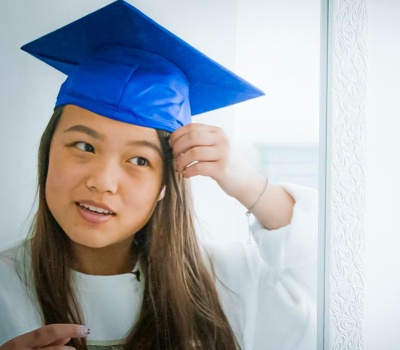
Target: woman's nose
x=103, y=177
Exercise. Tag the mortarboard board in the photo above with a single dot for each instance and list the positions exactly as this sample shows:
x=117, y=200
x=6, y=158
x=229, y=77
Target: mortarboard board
x=123, y=65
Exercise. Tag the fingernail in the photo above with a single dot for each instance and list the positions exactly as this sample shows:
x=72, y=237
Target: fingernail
x=85, y=331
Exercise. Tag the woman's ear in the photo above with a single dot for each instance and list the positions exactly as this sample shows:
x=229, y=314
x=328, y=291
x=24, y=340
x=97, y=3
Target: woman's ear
x=162, y=194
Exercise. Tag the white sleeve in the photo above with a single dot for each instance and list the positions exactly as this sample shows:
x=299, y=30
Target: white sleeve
x=268, y=288
x=286, y=317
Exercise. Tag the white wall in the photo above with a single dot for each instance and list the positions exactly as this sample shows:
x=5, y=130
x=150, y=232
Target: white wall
x=382, y=304
x=278, y=47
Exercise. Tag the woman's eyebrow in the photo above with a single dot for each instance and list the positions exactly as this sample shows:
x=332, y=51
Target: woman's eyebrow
x=95, y=134
x=86, y=130
x=144, y=143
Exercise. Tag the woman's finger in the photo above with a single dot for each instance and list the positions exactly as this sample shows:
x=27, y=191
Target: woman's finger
x=201, y=168
x=58, y=347
x=47, y=336
x=216, y=155
x=190, y=128
x=193, y=139
x=60, y=342
x=192, y=135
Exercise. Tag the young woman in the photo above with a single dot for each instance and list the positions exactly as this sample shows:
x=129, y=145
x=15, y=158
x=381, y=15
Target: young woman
x=113, y=246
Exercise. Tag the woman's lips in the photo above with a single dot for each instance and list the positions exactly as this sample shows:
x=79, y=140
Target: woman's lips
x=94, y=214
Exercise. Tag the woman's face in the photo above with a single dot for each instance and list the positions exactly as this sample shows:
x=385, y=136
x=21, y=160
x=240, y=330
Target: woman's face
x=104, y=177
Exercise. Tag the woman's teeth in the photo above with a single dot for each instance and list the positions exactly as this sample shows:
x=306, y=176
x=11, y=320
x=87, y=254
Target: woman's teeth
x=95, y=209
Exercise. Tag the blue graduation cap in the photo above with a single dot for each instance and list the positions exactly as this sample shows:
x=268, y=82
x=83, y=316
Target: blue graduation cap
x=123, y=65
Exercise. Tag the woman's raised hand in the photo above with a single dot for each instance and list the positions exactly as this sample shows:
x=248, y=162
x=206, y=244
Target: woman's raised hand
x=201, y=149
x=51, y=337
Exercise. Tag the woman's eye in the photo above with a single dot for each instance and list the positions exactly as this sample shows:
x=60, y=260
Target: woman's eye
x=85, y=147
x=139, y=161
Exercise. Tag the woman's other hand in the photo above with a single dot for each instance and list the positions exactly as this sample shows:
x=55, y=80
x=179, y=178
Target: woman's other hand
x=51, y=337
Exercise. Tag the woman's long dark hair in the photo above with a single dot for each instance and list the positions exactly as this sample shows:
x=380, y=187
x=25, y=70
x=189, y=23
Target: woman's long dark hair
x=180, y=309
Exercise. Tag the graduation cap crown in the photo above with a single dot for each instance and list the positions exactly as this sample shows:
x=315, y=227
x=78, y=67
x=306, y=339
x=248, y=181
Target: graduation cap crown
x=123, y=65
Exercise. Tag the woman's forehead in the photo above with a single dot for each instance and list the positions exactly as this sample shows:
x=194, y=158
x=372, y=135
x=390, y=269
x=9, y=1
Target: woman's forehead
x=77, y=119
